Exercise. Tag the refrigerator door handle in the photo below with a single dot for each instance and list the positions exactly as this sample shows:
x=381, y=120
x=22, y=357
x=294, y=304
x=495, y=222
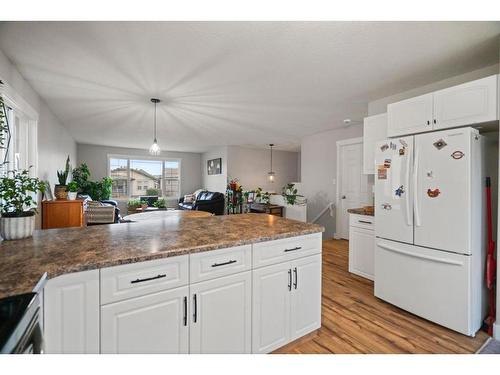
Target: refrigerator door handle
x=407, y=184
x=414, y=255
x=415, y=188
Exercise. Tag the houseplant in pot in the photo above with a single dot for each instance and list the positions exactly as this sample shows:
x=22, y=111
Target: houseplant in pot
x=17, y=200
x=60, y=190
x=72, y=190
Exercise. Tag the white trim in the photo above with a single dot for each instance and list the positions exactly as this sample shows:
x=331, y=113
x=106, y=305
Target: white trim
x=16, y=101
x=338, y=211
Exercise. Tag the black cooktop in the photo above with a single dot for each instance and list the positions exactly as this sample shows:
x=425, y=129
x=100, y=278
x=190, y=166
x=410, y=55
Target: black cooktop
x=12, y=310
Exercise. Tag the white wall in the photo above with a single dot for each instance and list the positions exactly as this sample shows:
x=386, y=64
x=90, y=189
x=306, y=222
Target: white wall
x=214, y=182
x=319, y=169
x=96, y=158
x=380, y=105
x=251, y=165
x=54, y=141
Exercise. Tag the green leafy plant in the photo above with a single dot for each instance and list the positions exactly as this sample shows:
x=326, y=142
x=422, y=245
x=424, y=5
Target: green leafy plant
x=62, y=176
x=81, y=175
x=289, y=193
x=133, y=204
x=160, y=203
x=99, y=190
x=263, y=197
x=73, y=187
x=17, y=191
x=153, y=191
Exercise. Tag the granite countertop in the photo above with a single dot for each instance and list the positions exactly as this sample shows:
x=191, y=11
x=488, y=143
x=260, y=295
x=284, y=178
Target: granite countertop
x=361, y=211
x=59, y=251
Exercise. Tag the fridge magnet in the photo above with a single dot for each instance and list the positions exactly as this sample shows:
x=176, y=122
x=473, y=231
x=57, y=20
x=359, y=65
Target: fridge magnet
x=384, y=147
x=402, y=151
x=439, y=144
x=400, y=190
x=386, y=206
x=381, y=172
x=433, y=193
x=457, y=155
x=403, y=142
x=393, y=146
x=387, y=163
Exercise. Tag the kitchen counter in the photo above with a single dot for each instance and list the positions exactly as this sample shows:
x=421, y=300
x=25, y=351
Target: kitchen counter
x=59, y=251
x=361, y=211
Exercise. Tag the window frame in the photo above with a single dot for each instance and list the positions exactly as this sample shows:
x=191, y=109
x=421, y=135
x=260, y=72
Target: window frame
x=129, y=158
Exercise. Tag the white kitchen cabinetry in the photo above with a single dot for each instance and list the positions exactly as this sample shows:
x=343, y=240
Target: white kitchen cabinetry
x=470, y=103
x=374, y=130
x=286, y=302
x=410, y=116
x=154, y=323
x=221, y=315
x=361, y=245
x=71, y=304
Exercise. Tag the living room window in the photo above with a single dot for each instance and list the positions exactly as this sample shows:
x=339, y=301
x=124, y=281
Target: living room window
x=140, y=177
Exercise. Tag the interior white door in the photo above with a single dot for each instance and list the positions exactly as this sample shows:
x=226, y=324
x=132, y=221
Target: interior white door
x=154, y=323
x=271, y=307
x=221, y=315
x=306, y=296
x=354, y=189
x=466, y=104
x=393, y=189
x=442, y=200
x=410, y=116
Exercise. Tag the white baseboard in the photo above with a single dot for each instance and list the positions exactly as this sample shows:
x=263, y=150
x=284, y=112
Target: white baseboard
x=496, y=331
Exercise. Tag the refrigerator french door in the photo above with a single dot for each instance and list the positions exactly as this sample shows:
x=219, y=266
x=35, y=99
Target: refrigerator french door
x=429, y=255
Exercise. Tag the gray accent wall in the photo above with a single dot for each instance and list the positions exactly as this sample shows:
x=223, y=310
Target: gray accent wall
x=96, y=158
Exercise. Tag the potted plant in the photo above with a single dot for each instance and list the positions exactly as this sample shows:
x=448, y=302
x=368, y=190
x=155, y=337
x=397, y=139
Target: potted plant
x=60, y=190
x=133, y=205
x=161, y=203
x=17, y=191
x=72, y=190
x=289, y=193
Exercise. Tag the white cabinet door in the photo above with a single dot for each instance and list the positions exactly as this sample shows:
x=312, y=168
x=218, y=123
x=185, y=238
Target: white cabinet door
x=374, y=130
x=361, y=252
x=154, y=323
x=410, y=116
x=306, y=296
x=470, y=103
x=71, y=304
x=221, y=315
x=271, y=307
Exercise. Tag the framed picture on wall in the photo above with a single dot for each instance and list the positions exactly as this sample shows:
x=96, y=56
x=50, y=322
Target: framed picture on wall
x=214, y=166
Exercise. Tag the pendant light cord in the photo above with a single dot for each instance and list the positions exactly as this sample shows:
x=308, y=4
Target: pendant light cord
x=155, y=123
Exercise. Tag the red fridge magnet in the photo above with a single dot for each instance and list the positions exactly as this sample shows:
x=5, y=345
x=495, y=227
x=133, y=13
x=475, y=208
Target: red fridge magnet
x=433, y=193
x=381, y=173
x=386, y=206
x=457, y=155
x=387, y=163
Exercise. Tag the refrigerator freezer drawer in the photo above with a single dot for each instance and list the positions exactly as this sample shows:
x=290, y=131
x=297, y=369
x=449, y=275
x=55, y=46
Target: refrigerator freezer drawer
x=433, y=284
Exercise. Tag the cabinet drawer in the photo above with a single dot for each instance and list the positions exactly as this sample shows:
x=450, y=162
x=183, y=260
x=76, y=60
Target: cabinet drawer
x=362, y=221
x=211, y=264
x=136, y=279
x=277, y=251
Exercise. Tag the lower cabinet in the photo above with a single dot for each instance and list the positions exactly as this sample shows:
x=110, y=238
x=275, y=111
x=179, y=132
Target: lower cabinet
x=154, y=323
x=286, y=302
x=221, y=315
x=362, y=249
x=71, y=313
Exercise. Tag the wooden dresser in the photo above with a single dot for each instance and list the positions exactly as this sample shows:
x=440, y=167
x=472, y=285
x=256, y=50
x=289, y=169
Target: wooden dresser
x=61, y=213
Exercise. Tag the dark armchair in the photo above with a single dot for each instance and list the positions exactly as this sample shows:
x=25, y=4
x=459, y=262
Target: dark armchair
x=208, y=201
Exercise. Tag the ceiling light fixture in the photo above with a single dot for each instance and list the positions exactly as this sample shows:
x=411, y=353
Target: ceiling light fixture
x=155, y=149
x=271, y=174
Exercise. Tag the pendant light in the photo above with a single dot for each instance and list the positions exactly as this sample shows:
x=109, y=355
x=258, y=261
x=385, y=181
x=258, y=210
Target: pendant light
x=271, y=174
x=155, y=149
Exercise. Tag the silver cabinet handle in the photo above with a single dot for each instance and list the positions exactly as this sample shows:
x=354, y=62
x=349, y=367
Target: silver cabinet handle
x=289, y=280
x=296, y=278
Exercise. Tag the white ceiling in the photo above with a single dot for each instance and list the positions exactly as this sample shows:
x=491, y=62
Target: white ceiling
x=230, y=83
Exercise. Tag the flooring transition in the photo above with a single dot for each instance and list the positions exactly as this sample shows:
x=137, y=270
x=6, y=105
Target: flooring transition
x=355, y=321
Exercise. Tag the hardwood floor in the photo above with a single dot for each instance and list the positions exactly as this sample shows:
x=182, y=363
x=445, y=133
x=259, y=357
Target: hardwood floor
x=355, y=321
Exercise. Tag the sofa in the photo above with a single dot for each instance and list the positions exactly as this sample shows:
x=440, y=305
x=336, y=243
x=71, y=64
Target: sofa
x=208, y=201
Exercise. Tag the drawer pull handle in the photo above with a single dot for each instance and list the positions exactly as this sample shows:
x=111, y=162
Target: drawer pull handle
x=195, y=312
x=296, y=278
x=223, y=264
x=185, y=311
x=289, y=280
x=293, y=249
x=364, y=222
x=148, y=279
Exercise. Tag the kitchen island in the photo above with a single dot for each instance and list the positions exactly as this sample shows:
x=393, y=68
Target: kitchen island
x=172, y=285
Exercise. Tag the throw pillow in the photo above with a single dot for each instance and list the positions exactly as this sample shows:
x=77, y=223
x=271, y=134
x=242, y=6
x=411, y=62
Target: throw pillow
x=189, y=198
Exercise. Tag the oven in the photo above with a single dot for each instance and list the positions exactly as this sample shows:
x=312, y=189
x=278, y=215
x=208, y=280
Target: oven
x=20, y=324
